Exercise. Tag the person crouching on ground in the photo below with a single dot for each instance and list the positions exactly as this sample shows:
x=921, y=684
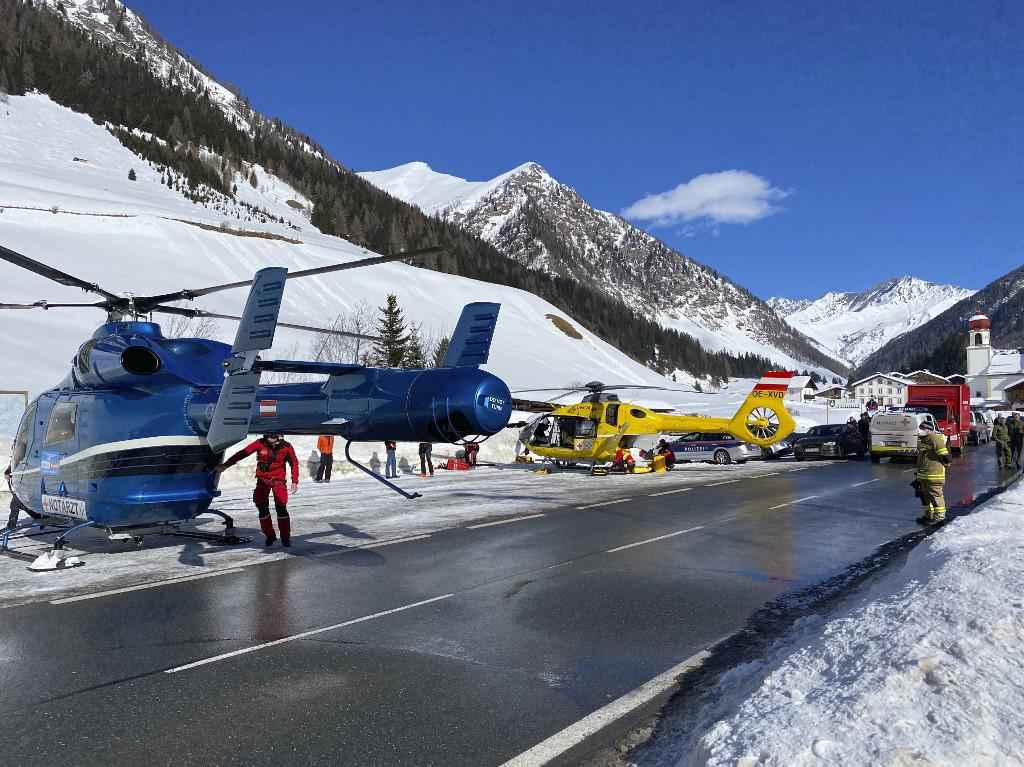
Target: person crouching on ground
x=623, y=460
x=670, y=457
x=472, y=449
x=272, y=456
x=325, y=446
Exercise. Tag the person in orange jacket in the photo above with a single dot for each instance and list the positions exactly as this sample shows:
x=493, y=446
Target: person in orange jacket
x=325, y=446
x=273, y=455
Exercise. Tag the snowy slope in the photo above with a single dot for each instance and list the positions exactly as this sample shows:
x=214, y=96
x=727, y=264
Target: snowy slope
x=546, y=226
x=854, y=325
x=130, y=240
x=921, y=669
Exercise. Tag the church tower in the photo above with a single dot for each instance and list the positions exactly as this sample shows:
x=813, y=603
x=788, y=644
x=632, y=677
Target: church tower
x=979, y=344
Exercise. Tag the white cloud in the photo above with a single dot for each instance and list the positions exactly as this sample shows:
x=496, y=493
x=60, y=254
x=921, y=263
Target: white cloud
x=726, y=197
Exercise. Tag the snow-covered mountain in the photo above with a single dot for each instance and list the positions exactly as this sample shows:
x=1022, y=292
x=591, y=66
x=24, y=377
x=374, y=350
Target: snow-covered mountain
x=112, y=23
x=854, y=325
x=547, y=226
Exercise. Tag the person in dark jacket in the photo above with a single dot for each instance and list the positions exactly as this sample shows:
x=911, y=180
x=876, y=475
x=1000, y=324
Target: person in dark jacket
x=864, y=426
x=1015, y=428
x=1002, y=439
x=273, y=455
x=391, y=466
x=426, y=448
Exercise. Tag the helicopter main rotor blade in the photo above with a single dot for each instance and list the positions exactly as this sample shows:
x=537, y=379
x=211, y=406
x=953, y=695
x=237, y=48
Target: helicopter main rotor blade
x=148, y=303
x=183, y=312
x=50, y=273
x=48, y=305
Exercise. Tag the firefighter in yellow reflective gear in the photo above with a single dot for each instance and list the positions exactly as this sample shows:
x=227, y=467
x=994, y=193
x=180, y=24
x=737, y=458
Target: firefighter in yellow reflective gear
x=932, y=459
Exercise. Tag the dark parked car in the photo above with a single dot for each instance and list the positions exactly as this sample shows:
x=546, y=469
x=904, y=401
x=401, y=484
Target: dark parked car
x=830, y=441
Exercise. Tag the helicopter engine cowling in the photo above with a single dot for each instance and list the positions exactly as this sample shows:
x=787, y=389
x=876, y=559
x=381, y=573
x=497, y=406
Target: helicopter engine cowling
x=117, y=361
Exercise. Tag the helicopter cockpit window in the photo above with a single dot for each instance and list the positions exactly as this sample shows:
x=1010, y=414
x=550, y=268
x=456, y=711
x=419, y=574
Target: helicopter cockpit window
x=62, y=423
x=611, y=414
x=24, y=436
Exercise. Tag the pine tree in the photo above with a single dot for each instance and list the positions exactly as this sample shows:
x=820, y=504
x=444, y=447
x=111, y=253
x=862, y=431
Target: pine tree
x=131, y=174
x=252, y=179
x=415, y=356
x=440, y=351
x=391, y=348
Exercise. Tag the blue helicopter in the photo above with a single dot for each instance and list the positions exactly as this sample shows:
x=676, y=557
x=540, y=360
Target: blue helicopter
x=127, y=441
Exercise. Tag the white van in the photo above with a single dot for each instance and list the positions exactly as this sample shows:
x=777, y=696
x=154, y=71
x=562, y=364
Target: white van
x=894, y=434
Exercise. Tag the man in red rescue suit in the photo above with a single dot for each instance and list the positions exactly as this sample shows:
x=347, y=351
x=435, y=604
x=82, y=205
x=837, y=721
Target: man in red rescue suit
x=272, y=456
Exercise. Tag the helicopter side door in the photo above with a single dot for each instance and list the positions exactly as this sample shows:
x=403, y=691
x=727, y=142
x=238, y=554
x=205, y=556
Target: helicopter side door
x=62, y=491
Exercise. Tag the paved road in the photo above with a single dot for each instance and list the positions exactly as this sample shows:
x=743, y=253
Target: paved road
x=466, y=647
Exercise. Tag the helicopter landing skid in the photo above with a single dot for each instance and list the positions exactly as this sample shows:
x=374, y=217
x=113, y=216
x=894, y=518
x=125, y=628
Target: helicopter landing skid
x=227, y=538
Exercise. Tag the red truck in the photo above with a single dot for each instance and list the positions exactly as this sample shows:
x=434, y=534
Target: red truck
x=950, y=404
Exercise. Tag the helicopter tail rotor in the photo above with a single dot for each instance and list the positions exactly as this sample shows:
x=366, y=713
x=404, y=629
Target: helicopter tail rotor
x=762, y=419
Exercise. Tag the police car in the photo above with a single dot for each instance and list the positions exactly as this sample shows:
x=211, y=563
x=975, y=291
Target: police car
x=716, y=447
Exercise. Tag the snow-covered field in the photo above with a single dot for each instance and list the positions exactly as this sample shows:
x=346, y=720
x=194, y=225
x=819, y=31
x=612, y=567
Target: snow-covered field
x=130, y=241
x=923, y=667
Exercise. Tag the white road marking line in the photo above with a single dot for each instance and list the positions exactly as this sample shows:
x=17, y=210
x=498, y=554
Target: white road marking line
x=503, y=522
x=652, y=540
x=144, y=586
x=304, y=634
x=377, y=545
x=392, y=542
x=909, y=471
x=548, y=750
x=790, y=503
x=805, y=468
x=603, y=503
x=727, y=482
x=670, y=492
x=861, y=484
x=769, y=474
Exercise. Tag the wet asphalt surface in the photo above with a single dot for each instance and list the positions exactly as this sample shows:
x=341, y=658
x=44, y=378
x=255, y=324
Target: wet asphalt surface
x=535, y=624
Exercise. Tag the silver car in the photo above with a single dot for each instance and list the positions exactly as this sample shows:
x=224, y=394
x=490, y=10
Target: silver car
x=981, y=428
x=716, y=447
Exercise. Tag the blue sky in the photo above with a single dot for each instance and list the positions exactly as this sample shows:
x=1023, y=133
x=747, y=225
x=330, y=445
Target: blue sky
x=871, y=139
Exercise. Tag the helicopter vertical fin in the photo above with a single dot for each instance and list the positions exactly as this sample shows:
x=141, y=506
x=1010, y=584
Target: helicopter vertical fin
x=259, y=320
x=233, y=412
x=763, y=419
x=470, y=345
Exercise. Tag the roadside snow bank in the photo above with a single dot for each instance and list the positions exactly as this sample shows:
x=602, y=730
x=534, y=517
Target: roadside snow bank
x=925, y=669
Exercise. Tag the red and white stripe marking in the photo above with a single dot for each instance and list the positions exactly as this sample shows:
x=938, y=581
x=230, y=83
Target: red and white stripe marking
x=775, y=380
x=268, y=408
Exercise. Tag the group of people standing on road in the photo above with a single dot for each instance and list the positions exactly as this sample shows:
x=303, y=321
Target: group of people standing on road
x=1008, y=434
x=933, y=457
x=275, y=458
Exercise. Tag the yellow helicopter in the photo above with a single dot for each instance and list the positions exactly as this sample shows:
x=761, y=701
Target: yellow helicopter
x=591, y=431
